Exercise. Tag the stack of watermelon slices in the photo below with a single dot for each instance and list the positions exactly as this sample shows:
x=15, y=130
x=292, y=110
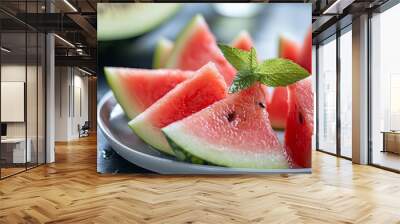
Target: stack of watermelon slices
x=182, y=107
x=278, y=107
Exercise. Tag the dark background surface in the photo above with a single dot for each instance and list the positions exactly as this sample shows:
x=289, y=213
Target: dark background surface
x=273, y=20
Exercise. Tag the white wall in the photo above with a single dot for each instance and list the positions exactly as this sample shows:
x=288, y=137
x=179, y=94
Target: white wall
x=12, y=100
x=33, y=126
x=71, y=93
x=61, y=103
x=80, y=100
x=15, y=73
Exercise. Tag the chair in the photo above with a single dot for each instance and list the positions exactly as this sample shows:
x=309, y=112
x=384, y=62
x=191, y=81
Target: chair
x=84, y=129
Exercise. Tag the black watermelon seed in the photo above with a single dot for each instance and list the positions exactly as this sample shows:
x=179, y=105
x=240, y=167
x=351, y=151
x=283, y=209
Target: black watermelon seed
x=231, y=116
x=261, y=105
x=301, y=118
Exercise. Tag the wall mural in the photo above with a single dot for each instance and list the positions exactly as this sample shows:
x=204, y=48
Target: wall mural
x=204, y=88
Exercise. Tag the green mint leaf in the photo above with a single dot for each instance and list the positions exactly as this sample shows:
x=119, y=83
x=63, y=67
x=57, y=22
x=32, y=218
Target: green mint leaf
x=239, y=59
x=273, y=72
x=279, y=72
x=243, y=80
x=253, y=59
x=245, y=62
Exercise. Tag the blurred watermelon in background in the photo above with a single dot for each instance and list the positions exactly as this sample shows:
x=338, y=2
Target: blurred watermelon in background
x=266, y=26
x=125, y=20
x=136, y=48
x=278, y=107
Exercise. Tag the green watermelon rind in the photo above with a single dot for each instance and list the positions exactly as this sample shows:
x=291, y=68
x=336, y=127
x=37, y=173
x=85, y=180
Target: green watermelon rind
x=150, y=131
x=162, y=52
x=115, y=85
x=150, y=134
x=183, y=155
x=182, y=39
x=188, y=146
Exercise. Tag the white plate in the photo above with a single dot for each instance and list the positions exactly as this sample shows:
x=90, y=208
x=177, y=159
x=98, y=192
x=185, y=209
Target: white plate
x=114, y=125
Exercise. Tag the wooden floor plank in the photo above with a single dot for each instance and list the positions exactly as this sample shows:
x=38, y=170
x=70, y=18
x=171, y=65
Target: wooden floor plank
x=70, y=191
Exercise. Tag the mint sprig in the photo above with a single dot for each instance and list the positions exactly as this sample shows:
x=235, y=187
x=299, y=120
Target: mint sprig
x=238, y=58
x=243, y=80
x=273, y=72
x=280, y=72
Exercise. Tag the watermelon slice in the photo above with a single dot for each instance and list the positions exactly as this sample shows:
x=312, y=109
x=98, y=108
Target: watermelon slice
x=163, y=51
x=164, y=48
x=137, y=89
x=195, y=47
x=299, y=127
x=288, y=49
x=204, y=88
x=304, y=58
x=234, y=132
x=279, y=105
x=243, y=41
x=278, y=108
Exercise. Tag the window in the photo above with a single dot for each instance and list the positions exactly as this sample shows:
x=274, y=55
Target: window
x=346, y=93
x=327, y=95
x=22, y=66
x=385, y=89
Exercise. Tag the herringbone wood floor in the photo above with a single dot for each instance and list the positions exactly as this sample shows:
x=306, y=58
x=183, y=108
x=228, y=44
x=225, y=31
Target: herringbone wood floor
x=70, y=191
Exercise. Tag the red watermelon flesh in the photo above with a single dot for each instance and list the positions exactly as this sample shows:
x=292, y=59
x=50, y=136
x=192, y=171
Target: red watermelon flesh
x=195, y=47
x=279, y=105
x=164, y=48
x=288, y=49
x=299, y=126
x=304, y=58
x=243, y=41
x=205, y=87
x=278, y=108
x=233, y=132
x=137, y=89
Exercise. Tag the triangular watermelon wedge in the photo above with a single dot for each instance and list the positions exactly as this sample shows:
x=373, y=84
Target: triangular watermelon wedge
x=205, y=87
x=288, y=49
x=243, y=41
x=137, y=89
x=234, y=132
x=279, y=105
x=162, y=52
x=195, y=47
x=304, y=57
x=299, y=127
x=164, y=48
